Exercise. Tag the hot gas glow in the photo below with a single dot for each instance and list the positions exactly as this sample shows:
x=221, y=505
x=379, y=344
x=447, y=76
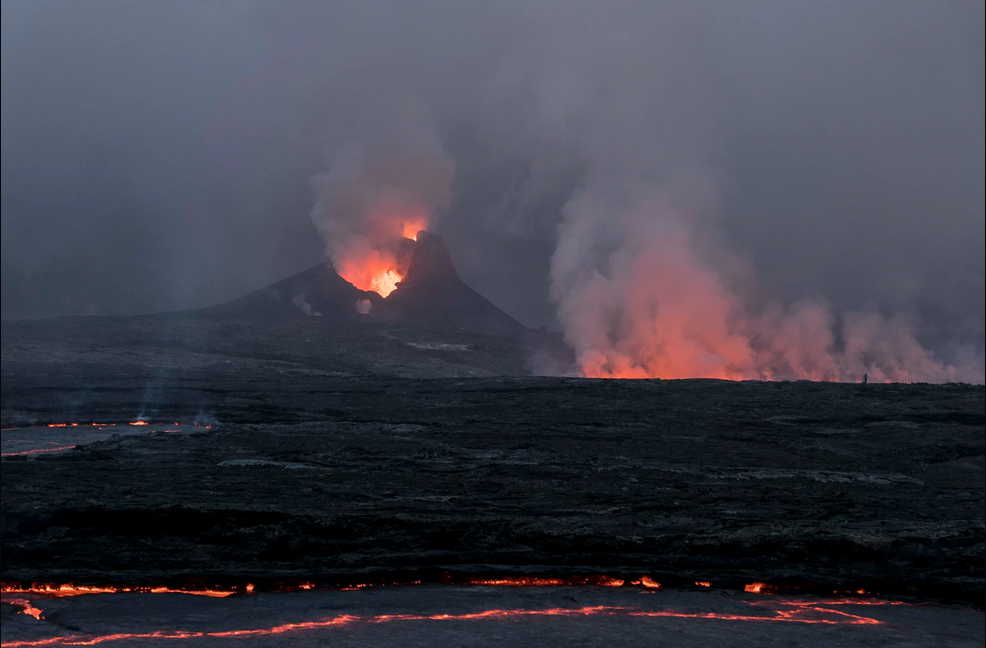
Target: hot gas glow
x=413, y=225
x=377, y=261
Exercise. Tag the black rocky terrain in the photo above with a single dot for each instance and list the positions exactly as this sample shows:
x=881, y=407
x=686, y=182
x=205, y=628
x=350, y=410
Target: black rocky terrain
x=353, y=444
x=330, y=479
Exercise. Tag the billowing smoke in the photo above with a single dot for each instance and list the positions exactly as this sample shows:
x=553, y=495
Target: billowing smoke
x=686, y=187
x=644, y=281
x=639, y=297
x=381, y=190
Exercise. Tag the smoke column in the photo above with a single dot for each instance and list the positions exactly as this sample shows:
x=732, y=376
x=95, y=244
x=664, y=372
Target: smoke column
x=644, y=283
x=655, y=306
x=379, y=190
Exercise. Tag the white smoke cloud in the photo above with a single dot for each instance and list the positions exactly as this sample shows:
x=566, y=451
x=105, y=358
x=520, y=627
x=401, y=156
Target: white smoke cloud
x=639, y=296
x=382, y=186
x=643, y=279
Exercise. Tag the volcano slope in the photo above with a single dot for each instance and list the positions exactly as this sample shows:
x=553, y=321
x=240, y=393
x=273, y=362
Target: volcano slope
x=332, y=479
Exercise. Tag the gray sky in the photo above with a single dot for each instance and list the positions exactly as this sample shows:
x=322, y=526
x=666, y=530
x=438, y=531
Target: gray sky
x=159, y=155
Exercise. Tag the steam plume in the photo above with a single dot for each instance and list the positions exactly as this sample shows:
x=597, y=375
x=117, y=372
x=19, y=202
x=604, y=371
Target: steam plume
x=655, y=305
x=378, y=191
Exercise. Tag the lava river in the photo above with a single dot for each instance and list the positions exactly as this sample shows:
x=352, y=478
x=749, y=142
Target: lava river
x=485, y=614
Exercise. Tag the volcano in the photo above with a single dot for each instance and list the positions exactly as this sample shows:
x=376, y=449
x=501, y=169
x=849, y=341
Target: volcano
x=431, y=295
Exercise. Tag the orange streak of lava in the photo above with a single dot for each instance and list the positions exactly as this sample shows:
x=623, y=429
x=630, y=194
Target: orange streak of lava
x=795, y=615
x=66, y=590
x=36, y=451
x=518, y=582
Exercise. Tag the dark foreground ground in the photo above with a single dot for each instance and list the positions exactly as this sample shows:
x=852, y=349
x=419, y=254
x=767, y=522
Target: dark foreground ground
x=333, y=480
x=484, y=616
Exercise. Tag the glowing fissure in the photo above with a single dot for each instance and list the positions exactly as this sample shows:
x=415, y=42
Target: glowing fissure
x=135, y=423
x=804, y=612
x=67, y=589
x=594, y=580
x=57, y=447
x=539, y=581
x=20, y=453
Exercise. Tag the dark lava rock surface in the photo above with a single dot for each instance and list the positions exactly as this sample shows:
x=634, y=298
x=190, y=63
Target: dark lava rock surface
x=332, y=478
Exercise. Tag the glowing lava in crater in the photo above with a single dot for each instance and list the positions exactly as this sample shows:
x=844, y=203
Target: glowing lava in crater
x=379, y=263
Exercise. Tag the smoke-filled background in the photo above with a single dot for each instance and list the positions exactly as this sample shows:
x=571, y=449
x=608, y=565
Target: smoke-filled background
x=748, y=189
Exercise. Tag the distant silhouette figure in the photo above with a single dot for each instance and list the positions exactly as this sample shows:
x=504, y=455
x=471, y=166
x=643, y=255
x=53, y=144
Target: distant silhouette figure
x=866, y=378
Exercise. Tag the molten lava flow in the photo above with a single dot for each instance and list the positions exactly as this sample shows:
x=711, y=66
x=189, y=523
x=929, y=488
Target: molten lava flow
x=606, y=581
x=26, y=607
x=36, y=451
x=518, y=582
x=542, y=581
x=703, y=583
x=69, y=589
x=385, y=283
x=804, y=612
x=375, y=270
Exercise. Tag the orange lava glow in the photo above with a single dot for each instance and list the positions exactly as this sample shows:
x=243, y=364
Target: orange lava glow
x=542, y=581
x=805, y=612
x=376, y=271
x=606, y=581
x=413, y=225
x=26, y=607
x=647, y=582
x=518, y=582
x=68, y=589
x=797, y=613
x=378, y=261
x=36, y=451
x=703, y=583
x=137, y=422
x=758, y=588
